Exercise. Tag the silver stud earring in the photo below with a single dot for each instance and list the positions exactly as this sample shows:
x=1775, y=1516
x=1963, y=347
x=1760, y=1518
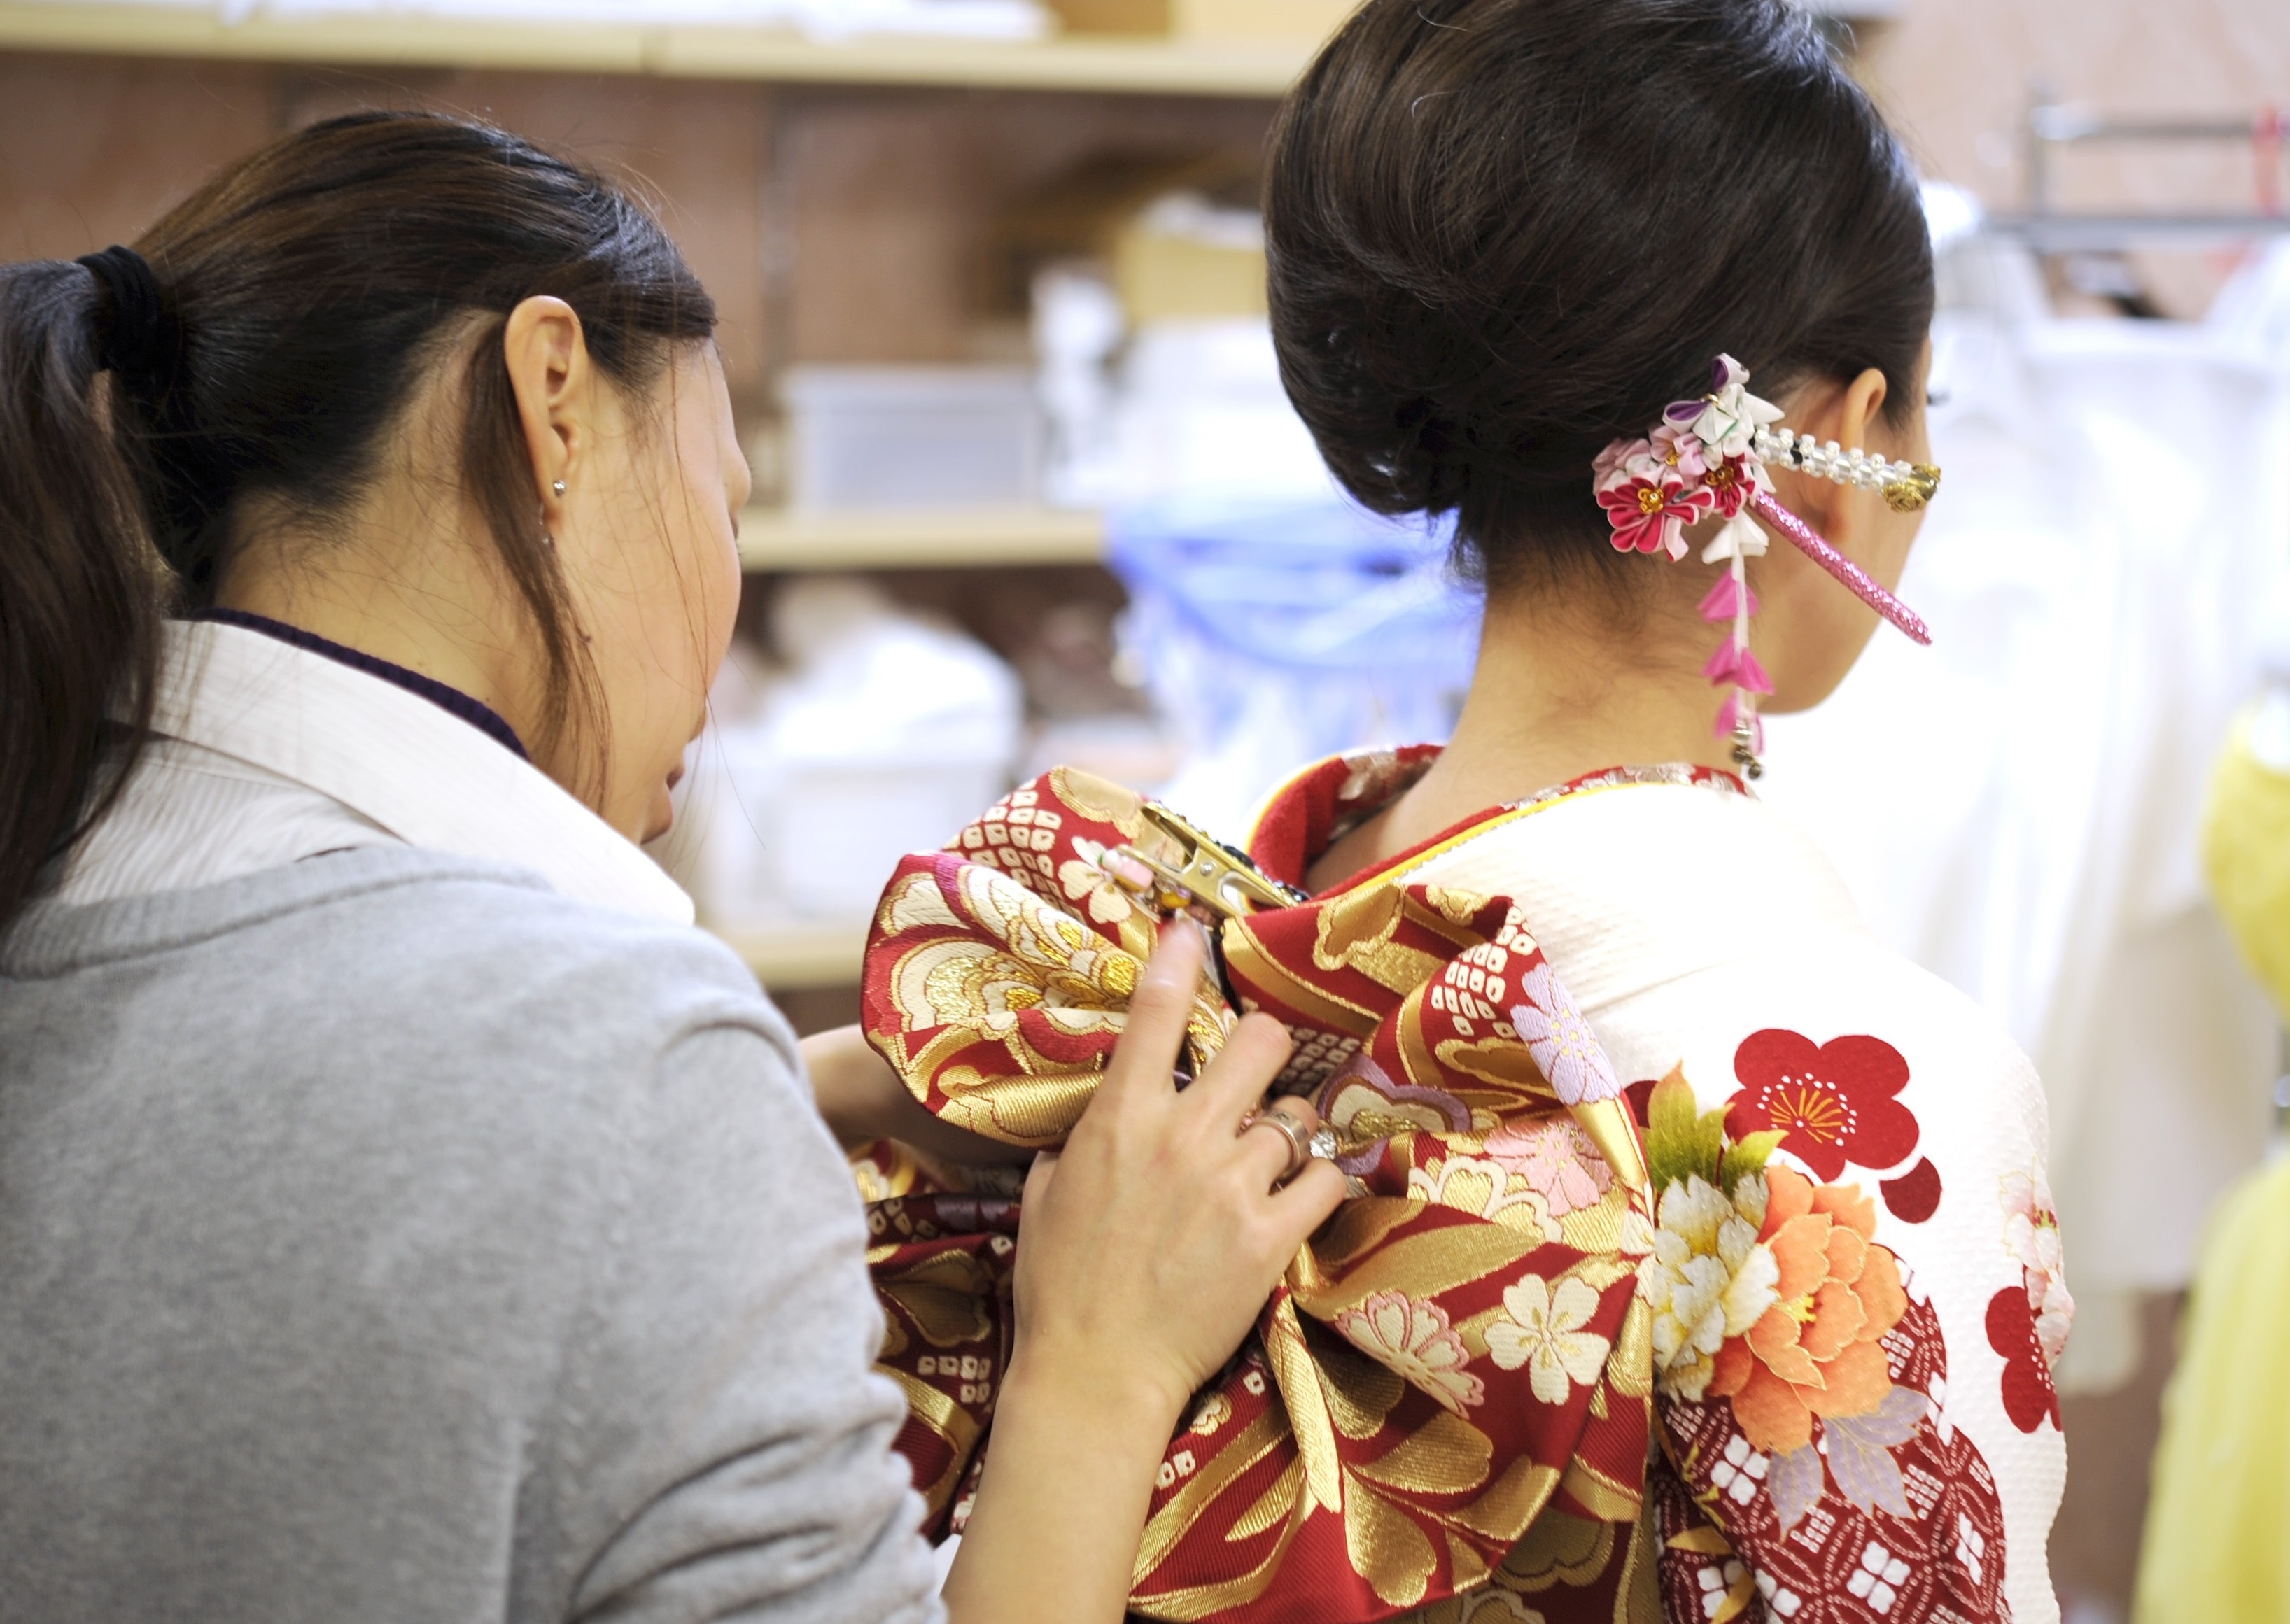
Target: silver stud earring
x=558, y=486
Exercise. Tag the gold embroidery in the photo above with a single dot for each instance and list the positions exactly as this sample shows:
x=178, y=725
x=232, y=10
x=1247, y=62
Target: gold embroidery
x=1249, y=961
x=1356, y=923
x=1446, y=1455
x=1170, y=1525
x=1504, y=1511
x=1558, y=1549
x=946, y=1295
x=949, y=1421
x=1386, y=1548
x=1594, y=1491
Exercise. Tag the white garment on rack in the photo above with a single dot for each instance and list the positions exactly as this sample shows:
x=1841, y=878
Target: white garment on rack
x=2094, y=571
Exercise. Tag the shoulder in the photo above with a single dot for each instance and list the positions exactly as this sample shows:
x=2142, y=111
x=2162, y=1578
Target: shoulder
x=479, y=1000
x=486, y=951
x=1870, y=1055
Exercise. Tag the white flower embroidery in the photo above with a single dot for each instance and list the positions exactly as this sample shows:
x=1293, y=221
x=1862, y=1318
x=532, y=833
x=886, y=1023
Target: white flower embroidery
x=1415, y=1339
x=2031, y=1234
x=1081, y=879
x=1708, y=1278
x=1565, y=1049
x=1545, y=1333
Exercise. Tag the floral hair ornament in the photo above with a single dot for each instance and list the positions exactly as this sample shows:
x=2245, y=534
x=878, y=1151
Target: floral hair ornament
x=1709, y=457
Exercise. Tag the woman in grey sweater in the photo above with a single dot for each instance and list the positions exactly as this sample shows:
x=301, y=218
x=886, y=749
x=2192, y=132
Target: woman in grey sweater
x=404, y=1214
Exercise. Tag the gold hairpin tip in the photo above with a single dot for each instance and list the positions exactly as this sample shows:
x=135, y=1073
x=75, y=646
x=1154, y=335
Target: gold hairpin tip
x=1911, y=494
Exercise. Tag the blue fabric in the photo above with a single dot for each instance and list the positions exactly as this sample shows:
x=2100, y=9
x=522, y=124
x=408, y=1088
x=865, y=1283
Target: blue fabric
x=1274, y=635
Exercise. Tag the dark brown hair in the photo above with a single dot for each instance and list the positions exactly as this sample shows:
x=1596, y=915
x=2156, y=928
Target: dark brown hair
x=301, y=296
x=1505, y=232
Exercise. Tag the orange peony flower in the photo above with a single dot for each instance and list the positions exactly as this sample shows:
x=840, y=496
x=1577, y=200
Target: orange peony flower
x=1815, y=1351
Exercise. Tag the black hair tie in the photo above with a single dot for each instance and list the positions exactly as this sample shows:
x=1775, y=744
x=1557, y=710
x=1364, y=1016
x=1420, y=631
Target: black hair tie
x=140, y=341
x=134, y=337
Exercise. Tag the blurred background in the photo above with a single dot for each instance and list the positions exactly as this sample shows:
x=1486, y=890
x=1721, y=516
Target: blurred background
x=1027, y=491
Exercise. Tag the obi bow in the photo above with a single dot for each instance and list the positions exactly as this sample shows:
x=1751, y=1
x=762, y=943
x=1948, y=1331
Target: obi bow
x=1456, y=1358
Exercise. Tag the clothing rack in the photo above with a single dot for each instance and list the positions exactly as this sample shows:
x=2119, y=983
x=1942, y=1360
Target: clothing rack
x=2052, y=126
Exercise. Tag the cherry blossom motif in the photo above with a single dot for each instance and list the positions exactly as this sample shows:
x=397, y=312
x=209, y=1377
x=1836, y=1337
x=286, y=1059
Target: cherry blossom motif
x=1560, y=1041
x=1415, y=1339
x=1558, y=1161
x=1545, y=1333
x=1082, y=881
x=1709, y=1279
x=2031, y=1234
x=1833, y=1102
x=1650, y=505
x=1815, y=1352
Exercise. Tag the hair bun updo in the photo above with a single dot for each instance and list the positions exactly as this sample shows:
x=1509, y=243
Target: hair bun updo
x=1503, y=233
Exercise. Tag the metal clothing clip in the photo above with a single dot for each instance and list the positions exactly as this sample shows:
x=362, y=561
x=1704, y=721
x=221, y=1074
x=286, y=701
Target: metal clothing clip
x=1207, y=872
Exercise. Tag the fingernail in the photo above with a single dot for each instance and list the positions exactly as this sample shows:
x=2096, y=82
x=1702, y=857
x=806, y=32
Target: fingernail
x=1185, y=921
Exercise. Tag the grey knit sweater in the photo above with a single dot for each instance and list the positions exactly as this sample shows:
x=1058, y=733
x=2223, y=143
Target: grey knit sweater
x=386, y=1237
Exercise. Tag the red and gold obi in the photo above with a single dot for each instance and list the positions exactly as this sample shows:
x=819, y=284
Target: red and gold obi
x=1448, y=1396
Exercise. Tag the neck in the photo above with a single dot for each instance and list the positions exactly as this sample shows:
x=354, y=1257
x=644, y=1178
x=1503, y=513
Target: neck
x=426, y=608
x=1558, y=695
x=1560, y=690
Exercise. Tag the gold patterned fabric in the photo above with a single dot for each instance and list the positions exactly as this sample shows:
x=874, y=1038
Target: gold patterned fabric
x=1446, y=1404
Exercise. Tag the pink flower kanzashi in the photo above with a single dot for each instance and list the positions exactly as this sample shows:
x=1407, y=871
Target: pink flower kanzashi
x=1618, y=452
x=1558, y=1161
x=1732, y=481
x=1649, y=505
x=1677, y=446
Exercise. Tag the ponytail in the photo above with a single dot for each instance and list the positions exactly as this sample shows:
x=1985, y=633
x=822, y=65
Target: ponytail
x=80, y=594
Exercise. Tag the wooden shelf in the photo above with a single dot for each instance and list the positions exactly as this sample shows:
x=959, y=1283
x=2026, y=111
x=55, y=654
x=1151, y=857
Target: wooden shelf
x=1074, y=63
x=796, y=958
x=776, y=539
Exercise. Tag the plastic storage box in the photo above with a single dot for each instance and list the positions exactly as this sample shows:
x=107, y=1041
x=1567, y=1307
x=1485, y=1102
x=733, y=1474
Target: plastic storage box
x=912, y=436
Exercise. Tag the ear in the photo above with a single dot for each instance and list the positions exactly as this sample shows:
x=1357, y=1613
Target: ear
x=553, y=379
x=1844, y=412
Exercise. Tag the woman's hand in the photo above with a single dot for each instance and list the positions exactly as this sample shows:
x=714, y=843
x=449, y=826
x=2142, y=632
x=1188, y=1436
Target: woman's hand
x=1149, y=1247
x=1152, y=1239
x=864, y=1099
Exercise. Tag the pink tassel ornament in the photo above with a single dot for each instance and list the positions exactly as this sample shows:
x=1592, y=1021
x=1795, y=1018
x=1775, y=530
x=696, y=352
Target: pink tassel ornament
x=1728, y=598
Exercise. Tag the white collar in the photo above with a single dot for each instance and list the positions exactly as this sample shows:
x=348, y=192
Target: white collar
x=398, y=760
x=1632, y=886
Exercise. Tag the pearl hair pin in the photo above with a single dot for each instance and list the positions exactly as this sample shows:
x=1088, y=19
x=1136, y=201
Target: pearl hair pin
x=1907, y=485
x=1711, y=457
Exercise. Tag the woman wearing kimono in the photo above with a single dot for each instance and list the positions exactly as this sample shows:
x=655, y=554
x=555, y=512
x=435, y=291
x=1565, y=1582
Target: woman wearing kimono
x=1700, y=1263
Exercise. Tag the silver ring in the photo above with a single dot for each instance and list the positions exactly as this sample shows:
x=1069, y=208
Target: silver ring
x=1299, y=1138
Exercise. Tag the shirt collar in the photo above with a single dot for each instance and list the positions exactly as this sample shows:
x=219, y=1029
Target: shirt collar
x=397, y=759
x=447, y=698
